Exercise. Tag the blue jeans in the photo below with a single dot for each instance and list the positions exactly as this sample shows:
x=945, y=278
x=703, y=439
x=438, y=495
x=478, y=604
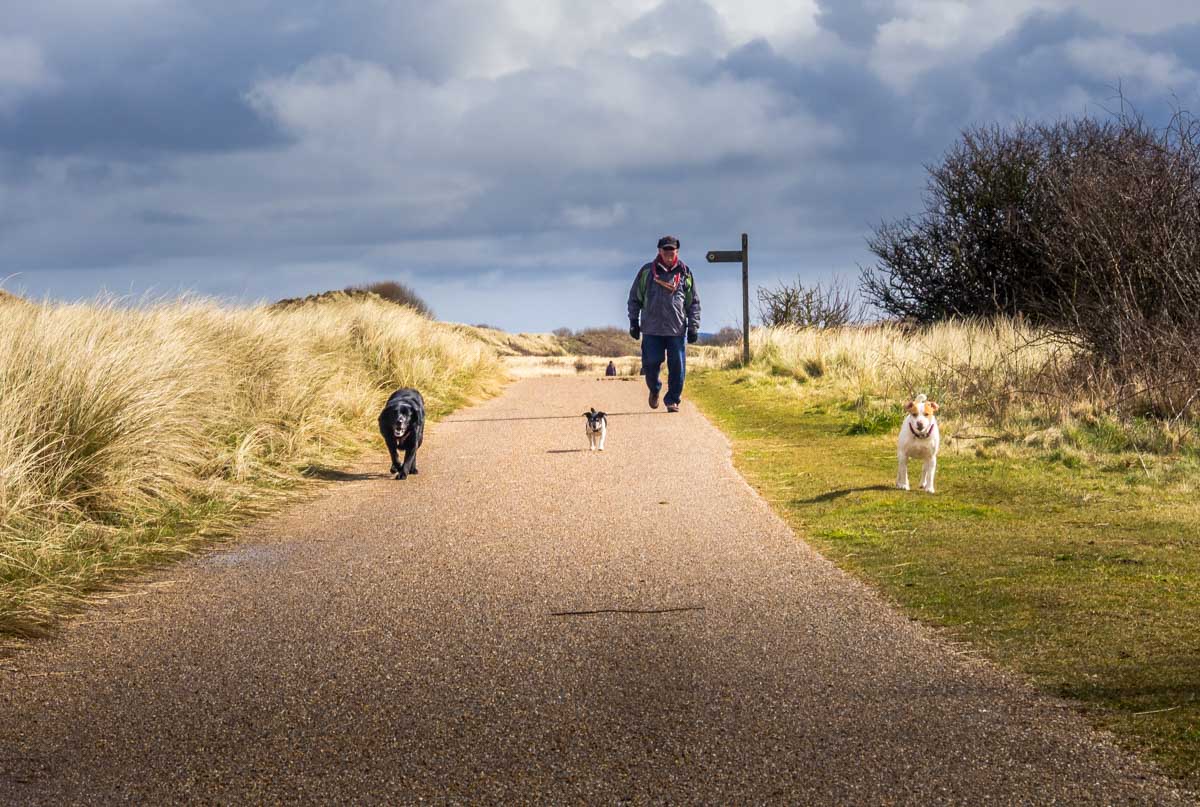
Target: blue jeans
x=675, y=348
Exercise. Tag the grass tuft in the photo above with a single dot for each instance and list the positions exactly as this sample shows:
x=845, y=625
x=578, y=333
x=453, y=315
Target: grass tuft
x=875, y=418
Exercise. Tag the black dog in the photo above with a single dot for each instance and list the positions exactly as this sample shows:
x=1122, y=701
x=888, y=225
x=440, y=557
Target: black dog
x=402, y=424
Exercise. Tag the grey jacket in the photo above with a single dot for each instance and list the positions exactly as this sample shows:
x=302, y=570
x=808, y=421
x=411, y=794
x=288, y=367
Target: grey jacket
x=660, y=311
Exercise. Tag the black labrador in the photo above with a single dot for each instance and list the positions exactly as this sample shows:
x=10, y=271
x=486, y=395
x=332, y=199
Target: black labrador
x=402, y=424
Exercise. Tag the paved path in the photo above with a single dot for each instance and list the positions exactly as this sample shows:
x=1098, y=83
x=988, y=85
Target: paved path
x=395, y=642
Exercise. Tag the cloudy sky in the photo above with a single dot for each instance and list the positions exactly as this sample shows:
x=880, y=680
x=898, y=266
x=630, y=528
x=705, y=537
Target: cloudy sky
x=514, y=161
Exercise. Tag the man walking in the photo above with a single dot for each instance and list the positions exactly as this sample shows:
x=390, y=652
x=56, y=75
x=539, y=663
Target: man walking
x=664, y=308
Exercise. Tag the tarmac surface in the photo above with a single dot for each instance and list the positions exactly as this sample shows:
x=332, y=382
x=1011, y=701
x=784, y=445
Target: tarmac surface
x=529, y=622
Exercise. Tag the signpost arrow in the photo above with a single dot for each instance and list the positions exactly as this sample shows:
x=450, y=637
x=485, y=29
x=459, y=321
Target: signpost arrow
x=733, y=256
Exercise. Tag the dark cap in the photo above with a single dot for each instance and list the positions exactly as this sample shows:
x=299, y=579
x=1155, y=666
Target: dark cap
x=668, y=241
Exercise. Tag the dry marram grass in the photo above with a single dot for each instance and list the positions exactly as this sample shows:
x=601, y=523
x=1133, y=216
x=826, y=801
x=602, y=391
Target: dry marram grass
x=514, y=344
x=118, y=425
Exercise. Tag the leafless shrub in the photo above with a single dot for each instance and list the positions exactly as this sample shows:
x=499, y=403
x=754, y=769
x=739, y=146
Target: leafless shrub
x=815, y=306
x=1122, y=253
x=969, y=254
x=397, y=293
x=728, y=335
x=1090, y=229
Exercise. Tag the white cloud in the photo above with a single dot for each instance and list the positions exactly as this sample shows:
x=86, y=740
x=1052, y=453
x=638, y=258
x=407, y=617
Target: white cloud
x=926, y=34
x=919, y=35
x=589, y=217
x=776, y=22
x=1113, y=58
x=611, y=114
x=509, y=36
x=22, y=69
x=1141, y=17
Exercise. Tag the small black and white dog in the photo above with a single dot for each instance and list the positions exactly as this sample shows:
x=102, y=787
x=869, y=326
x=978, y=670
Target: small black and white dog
x=596, y=429
x=402, y=424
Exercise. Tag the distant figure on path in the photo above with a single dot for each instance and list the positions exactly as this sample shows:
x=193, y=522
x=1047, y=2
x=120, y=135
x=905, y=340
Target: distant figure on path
x=663, y=308
x=611, y=369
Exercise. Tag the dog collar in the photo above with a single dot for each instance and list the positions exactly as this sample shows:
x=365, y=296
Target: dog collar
x=926, y=436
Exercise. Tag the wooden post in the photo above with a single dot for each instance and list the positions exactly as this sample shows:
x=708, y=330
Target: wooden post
x=731, y=256
x=745, y=299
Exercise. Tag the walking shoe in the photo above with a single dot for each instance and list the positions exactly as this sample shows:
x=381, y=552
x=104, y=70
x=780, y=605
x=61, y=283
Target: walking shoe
x=672, y=407
x=653, y=399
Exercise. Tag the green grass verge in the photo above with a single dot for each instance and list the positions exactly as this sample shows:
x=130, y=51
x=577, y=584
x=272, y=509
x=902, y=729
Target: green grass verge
x=1082, y=573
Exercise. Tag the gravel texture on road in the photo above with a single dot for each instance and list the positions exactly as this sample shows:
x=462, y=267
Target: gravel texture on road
x=529, y=622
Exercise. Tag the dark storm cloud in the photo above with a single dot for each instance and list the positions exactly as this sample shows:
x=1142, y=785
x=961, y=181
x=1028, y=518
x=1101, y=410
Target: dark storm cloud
x=1028, y=71
x=179, y=86
x=186, y=114
x=1180, y=40
x=152, y=90
x=1041, y=71
x=873, y=122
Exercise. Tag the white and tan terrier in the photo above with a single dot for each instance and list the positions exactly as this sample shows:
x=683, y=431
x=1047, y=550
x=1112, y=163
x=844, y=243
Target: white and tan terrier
x=919, y=438
x=596, y=429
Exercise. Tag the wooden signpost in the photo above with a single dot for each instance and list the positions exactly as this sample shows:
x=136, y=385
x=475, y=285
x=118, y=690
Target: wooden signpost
x=733, y=256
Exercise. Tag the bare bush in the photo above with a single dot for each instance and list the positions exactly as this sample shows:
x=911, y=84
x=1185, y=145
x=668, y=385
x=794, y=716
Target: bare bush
x=806, y=306
x=397, y=293
x=1088, y=228
x=970, y=253
x=1122, y=254
x=729, y=335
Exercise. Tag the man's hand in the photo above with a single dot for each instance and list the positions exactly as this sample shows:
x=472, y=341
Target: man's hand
x=693, y=337
x=635, y=330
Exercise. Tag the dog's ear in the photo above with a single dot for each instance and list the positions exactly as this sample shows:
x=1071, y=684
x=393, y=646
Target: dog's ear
x=911, y=407
x=601, y=415
x=933, y=407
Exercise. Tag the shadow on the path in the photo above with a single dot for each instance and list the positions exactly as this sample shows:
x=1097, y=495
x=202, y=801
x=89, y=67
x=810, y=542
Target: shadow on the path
x=565, y=451
x=837, y=494
x=334, y=475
